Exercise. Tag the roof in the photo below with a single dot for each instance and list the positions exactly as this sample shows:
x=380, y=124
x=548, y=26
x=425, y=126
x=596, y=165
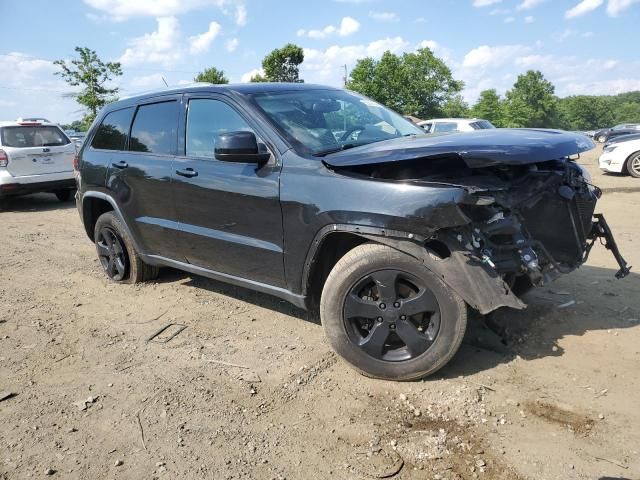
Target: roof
x=242, y=88
x=24, y=122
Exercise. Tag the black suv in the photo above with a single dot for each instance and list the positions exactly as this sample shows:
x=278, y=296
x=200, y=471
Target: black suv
x=333, y=202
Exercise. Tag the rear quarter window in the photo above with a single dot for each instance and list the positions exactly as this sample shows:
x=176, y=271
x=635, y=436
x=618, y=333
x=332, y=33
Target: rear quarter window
x=113, y=130
x=33, y=136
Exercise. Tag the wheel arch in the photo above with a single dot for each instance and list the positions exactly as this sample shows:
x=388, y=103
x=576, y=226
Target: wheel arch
x=625, y=167
x=95, y=204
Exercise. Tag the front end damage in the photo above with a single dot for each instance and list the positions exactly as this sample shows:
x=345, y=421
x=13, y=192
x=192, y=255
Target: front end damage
x=525, y=223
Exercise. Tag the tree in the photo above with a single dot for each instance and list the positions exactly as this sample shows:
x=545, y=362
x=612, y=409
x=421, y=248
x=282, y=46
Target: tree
x=76, y=125
x=92, y=74
x=456, y=107
x=585, y=112
x=211, y=75
x=531, y=102
x=417, y=83
x=282, y=65
x=489, y=107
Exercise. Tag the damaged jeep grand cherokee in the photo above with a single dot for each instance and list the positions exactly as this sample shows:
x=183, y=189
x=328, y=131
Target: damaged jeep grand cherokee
x=335, y=203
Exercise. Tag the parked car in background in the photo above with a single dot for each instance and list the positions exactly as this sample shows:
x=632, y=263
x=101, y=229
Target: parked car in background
x=386, y=232
x=623, y=138
x=605, y=134
x=36, y=156
x=77, y=137
x=621, y=157
x=451, y=125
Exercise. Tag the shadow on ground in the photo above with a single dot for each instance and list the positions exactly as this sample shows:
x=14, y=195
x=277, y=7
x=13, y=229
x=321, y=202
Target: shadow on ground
x=38, y=202
x=597, y=301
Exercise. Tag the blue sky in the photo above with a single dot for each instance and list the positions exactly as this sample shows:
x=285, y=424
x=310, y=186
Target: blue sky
x=583, y=46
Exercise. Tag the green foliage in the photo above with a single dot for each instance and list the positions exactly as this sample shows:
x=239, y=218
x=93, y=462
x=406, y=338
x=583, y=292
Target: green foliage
x=456, y=107
x=627, y=112
x=92, y=74
x=531, y=102
x=211, y=75
x=417, y=83
x=489, y=107
x=76, y=125
x=282, y=65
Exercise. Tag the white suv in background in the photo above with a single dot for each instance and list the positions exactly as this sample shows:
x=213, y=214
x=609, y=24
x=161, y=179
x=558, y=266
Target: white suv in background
x=451, y=125
x=35, y=156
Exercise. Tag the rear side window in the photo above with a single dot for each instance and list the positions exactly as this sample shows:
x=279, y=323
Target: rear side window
x=33, y=136
x=482, y=125
x=112, y=132
x=206, y=119
x=443, y=127
x=155, y=128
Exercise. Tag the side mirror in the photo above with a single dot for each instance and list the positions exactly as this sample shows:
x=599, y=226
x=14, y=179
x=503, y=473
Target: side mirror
x=239, y=147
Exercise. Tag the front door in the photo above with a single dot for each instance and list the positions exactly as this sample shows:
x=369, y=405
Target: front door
x=230, y=217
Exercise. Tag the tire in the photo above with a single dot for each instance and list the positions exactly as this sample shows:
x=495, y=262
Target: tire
x=440, y=327
x=64, y=195
x=632, y=165
x=602, y=138
x=124, y=264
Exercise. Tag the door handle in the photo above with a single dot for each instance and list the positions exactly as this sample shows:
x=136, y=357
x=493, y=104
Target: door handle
x=187, y=172
x=121, y=164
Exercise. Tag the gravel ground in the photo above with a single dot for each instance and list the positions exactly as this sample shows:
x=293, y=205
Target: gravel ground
x=250, y=389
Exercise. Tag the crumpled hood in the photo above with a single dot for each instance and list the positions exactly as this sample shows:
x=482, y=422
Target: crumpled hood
x=482, y=148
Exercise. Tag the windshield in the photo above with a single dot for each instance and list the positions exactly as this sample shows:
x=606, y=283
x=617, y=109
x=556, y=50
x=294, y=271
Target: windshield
x=33, y=136
x=325, y=121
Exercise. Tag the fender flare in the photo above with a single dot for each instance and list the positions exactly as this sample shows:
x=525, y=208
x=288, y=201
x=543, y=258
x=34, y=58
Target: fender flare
x=116, y=210
x=476, y=282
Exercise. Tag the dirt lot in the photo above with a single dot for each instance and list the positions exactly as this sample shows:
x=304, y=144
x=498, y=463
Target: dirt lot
x=250, y=389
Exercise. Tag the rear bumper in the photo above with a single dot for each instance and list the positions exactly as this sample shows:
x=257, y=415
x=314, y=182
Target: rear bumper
x=10, y=186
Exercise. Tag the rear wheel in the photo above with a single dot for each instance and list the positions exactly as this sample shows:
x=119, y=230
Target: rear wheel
x=116, y=252
x=389, y=316
x=64, y=195
x=633, y=165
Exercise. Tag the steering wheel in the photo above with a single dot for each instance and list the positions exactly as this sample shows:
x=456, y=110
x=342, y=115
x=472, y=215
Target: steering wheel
x=355, y=128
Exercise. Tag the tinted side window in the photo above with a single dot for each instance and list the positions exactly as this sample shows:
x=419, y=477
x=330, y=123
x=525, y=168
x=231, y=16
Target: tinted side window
x=112, y=132
x=205, y=120
x=441, y=127
x=155, y=128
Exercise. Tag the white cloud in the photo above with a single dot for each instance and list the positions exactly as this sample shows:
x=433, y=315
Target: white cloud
x=529, y=4
x=509, y=20
x=486, y=56
x=241, y=15
x=430, y=44
x=348, y=26
x=561, y=37
x=484, y=3
x=231, y=45
x=119, y=10
x=153, y=80
x=529, y=19
x=602, y=87
x=585, y=6
x=160, y=46
x=614, y=7
x=246, y=77
x=201, y=43
x=326, y=66
x=384, y=16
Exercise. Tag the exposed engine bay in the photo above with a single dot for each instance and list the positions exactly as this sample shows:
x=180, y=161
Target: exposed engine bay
x=520, y=225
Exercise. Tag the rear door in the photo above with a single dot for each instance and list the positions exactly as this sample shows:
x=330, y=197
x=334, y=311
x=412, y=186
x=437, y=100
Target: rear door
x=230, y=215
x=139, y=177
x=37, y=150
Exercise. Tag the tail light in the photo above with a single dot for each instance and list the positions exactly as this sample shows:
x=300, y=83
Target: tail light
x=75, y=162
x=4, y=158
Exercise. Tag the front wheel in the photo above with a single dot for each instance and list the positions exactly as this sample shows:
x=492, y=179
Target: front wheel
x=633, y=165
x=389, y=316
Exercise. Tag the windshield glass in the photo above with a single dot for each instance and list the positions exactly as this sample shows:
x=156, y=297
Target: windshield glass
x=325, y=121
x=33, y=136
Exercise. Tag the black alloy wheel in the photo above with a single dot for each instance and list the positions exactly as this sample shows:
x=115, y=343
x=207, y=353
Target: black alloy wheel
x=391, y=315
x=112, y=254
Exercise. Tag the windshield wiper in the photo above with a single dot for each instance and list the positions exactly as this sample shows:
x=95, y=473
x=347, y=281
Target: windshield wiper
x=345, y=146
